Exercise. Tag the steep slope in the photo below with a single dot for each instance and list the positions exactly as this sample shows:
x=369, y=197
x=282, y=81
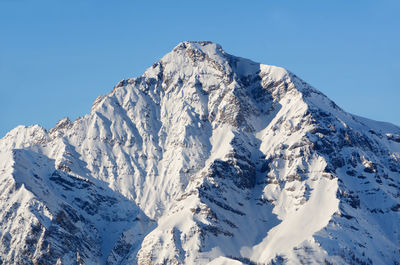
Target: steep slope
x=206, y=157
x=49, y=216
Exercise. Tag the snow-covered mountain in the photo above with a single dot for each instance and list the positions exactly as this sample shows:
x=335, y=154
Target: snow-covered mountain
x=206, y=158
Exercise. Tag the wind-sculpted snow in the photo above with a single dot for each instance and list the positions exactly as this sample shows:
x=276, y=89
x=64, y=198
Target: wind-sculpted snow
x=205, y=158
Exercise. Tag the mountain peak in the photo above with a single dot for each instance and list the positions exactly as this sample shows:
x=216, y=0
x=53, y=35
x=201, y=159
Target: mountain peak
x=199, y=45
x=192, y=58
x=205, y=157
x=199, y=51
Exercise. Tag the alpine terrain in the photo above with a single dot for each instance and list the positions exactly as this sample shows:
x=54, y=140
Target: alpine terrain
x=206, y=158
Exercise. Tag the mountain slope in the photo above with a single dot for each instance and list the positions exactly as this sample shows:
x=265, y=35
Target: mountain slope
x=206, y=157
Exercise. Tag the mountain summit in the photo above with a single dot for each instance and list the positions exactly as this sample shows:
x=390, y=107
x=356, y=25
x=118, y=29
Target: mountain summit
x=206, y=158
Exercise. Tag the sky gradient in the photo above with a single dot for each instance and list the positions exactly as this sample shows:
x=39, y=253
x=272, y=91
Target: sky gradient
x=57, y=56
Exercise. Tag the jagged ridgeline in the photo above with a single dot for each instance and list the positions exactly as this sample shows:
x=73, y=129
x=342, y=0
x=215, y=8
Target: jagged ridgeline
x=206, y=158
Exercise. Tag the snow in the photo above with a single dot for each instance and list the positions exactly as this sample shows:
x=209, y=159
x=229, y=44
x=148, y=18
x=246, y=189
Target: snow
x=207, y=158
x=224, y=261
x=383, y=127
x=220, y=142
x=301, y=225
x=274, y=73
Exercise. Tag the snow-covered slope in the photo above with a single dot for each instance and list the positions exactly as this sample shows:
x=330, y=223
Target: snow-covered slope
x=205, y=158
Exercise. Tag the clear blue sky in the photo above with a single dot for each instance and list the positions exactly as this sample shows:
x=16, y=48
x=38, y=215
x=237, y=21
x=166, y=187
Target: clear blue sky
x=57, y=56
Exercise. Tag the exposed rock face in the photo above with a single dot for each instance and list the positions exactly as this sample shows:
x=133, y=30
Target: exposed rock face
x=205, y=158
